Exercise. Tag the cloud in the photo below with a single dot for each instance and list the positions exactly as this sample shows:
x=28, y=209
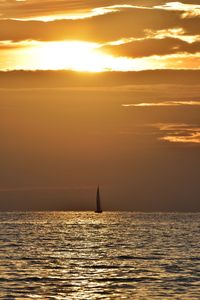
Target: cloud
x=159, y=42
x=182, y=134
x=173, y=133
x=77, y=9
x=87, y=56
x=189, y=10
x=163, y=104
x=193, y=137
x=177, y=61
x=42, y=79
x=73, y=16
x=89, y=13
x=154, y=38
x=47, y=10
x=179, y=133
x=9, y=45
x=149, y=47
x=36, y=8
x=101, y=28
x=176, y=33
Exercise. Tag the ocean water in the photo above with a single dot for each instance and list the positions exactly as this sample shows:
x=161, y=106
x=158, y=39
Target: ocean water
x=113, y=255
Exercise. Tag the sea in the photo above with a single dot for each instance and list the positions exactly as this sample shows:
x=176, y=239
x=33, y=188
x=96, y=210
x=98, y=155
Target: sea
x=113, y=255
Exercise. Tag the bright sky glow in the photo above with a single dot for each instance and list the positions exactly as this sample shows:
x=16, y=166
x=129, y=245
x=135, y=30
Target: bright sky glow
x=97, y=45
x=166, y=103
x=65, y=16
x=84, y=56
x=73, y=55
x=82, y=15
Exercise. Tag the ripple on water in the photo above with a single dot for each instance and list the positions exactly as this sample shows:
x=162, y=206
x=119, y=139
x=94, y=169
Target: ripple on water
x=115, y=256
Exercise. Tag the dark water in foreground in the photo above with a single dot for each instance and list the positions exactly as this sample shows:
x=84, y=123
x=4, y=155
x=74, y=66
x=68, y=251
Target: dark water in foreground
x=74, y=255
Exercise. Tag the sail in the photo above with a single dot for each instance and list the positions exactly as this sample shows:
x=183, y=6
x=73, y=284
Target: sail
x=98, y=201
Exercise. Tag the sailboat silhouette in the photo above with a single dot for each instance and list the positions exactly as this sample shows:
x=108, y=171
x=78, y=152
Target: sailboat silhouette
x=98, y=202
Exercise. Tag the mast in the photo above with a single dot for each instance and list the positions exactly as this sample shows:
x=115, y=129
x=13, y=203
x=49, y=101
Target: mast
x=98, y=201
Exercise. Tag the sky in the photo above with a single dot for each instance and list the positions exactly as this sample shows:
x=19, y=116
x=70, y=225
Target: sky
x=100, y=92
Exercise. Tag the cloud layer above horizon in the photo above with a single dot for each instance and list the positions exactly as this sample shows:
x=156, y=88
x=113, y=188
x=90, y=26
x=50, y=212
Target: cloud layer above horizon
x=62, y=132
x=120, y=35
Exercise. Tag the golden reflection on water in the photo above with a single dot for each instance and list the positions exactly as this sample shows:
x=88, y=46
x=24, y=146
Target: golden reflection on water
x=75, y=255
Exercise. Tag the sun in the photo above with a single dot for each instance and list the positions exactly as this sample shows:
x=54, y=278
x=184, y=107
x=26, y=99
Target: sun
x=67, y=55
x=79, y=56
x=73, y=55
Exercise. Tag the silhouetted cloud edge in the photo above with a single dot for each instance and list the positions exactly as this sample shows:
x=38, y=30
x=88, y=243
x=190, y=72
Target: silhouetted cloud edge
x=28, y=79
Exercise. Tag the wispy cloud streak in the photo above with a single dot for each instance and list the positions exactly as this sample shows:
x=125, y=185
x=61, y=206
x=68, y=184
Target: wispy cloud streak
x=179, y=133
x=165, y=103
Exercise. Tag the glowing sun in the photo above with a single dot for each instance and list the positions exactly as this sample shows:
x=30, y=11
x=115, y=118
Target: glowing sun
x=74, y=55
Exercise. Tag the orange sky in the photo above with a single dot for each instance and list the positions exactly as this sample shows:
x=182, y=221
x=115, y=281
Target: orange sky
x=129, y=121
x=99, y=35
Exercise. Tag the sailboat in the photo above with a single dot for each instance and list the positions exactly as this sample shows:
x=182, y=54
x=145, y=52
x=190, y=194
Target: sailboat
x=98, y=202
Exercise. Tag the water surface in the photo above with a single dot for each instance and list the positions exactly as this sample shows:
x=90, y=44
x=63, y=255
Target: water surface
x=82, y=255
